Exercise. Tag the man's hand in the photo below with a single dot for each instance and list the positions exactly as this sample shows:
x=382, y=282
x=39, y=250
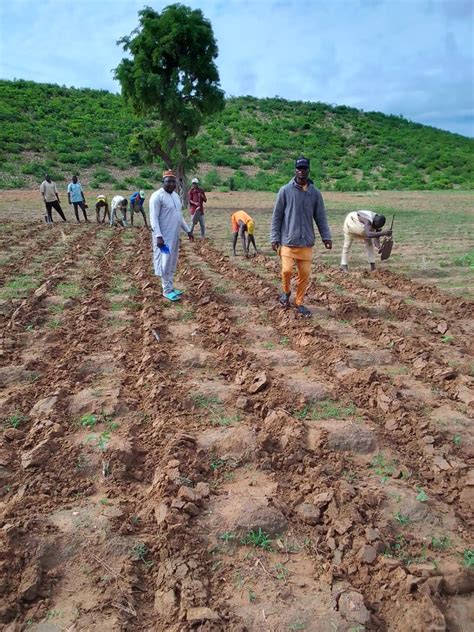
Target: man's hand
x=190, y=236
x=327, y=244
x=275, y=245
x=160, y=242
x=389, y=233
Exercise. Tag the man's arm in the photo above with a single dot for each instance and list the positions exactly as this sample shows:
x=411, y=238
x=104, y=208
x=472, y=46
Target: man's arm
x=373, y=234
x=155, y=211
x=69, y=193
x=277, y=219
x=57, y=193
x=204, y=198
x=320, y=217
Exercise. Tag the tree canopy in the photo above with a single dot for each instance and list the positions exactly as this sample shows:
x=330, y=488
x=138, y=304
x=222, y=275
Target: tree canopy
x=171, y=78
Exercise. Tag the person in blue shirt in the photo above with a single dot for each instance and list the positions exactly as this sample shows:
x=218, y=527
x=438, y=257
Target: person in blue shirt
x=76, y=197
x=136, y=206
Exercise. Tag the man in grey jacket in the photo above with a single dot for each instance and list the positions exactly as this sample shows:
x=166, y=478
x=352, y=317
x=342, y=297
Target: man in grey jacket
x=298, y=204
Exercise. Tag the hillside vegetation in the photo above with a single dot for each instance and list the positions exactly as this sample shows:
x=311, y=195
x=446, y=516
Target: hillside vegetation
x=250, y=145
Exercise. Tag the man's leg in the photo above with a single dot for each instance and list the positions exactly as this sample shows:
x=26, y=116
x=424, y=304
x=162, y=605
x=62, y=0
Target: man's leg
x=302, y=281
x=49, y=206
x=346, y=249
x=144, y=216
x=202, y=225
x=84, y=212
x=369, y=246
x=97, y=214
x=194, y=221
x=286, y=273
x=132, y=212
x=234, y=242
x=76, y=212
x=57, y=206
x=112, y=217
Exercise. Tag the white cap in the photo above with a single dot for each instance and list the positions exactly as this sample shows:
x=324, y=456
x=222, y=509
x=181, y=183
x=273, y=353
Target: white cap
x=194, y=181
x=142, y=194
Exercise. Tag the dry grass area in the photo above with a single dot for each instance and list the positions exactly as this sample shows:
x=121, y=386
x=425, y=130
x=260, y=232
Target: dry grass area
x=220, y=464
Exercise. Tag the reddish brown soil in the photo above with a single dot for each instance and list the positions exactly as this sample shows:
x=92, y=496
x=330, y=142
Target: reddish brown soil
x=144, y=445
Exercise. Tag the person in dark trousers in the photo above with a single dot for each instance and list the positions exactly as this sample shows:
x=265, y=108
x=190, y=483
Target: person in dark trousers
x=50, y=195
x=75, y=196
x=242, y=224
x=136, y=205
x=102, y=203
x=197, y=197
x=298, y=206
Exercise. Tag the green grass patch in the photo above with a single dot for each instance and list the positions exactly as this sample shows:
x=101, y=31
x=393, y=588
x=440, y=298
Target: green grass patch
x=326, y=409
x=258, y=539
x=18, y=286
x=70, y=290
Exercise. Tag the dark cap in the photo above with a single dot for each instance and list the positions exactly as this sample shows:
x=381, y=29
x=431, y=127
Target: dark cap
x=302, y=162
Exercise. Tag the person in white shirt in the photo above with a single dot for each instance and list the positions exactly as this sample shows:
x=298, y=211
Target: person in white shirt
x=119, y=211
x=166, y=219
x=366, y=226
x=50, y=195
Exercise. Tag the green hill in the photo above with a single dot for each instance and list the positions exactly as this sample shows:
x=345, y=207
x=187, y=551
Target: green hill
x=250, y=145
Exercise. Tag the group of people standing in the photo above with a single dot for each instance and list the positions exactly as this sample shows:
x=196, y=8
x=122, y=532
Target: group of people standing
x=299, y=205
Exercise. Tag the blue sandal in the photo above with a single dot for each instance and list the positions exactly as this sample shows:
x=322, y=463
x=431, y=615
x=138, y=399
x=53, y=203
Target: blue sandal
x=178, y=292
x=172, y=296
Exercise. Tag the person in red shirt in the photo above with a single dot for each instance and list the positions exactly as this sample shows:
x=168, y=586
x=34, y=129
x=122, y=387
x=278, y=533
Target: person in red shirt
x=197, y=197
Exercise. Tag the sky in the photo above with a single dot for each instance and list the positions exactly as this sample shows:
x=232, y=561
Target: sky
x=405, y=57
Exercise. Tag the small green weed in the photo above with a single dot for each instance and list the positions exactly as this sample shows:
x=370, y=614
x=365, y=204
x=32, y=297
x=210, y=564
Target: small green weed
x=440, y=543
x=457, y=439
x=217, y=464
x=205, y=401
x=447, y=338
x=297, y=625
x=252, y=596
x=225, y=421
x=281, y=571
x=422, y=495
x=54, y=323
x=139, y=553
x=382, y=467
x=258, y=539
x=284, y=341
x=268, y=345
x=227, y=536
x=14, y=421
x=468, y=558
x=401, y=518
x=88, y=421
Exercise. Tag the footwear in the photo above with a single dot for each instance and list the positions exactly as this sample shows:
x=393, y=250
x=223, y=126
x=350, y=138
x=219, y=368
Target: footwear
x=172, y=296
x=304, y=311
x=284, y=299
x=372, y=267
x=178, y=292
x=344, y=269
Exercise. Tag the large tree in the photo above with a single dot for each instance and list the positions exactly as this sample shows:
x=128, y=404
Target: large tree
x=171, y=78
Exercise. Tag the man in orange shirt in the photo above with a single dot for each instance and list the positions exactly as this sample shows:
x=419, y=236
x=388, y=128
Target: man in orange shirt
x=244, y=225
x=298, y=206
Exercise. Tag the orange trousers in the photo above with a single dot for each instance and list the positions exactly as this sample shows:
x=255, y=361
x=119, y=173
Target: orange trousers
x=302, y=257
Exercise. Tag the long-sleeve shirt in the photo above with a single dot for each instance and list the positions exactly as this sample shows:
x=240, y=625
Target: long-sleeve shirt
x=166, y=217
x=294, y=213
x=197, y=197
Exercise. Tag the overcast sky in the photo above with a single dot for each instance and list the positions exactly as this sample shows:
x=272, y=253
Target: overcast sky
x=409, y=57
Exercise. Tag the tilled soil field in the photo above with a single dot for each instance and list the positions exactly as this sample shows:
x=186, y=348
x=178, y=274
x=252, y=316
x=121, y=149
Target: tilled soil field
x=222, y=464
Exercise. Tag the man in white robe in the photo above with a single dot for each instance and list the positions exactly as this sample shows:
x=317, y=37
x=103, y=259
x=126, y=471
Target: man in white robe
x=166, y=220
